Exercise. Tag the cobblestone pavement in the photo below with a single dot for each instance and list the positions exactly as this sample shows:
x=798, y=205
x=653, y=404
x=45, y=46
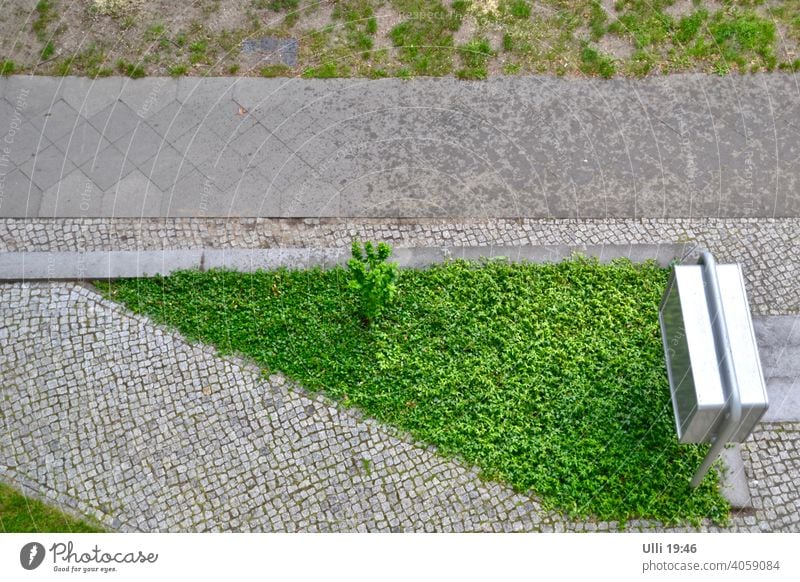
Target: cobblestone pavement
x=768, y=249
x=111, y=416
x=671, y=146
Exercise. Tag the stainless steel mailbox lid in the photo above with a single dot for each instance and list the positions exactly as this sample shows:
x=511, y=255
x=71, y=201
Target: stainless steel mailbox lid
x=698, y=398
x=699, y=395
x=744, y=350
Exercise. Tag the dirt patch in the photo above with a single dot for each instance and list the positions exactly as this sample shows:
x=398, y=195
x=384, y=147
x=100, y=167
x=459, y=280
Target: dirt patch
x=468, y=30
x=618, y=47
x=683, y=8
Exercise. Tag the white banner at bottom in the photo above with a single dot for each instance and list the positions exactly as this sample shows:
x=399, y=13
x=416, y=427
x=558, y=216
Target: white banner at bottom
x=409, y=557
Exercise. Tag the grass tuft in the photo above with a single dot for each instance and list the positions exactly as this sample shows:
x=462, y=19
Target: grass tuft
x=19, y=514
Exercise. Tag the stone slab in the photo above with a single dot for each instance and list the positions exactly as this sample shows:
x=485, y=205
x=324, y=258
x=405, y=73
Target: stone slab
x=683, y=145
x=72, y=265
x=735, y=487
x=778, y=340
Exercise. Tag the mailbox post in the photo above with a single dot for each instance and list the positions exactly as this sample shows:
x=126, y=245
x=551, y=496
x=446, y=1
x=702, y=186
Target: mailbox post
x=715, y=377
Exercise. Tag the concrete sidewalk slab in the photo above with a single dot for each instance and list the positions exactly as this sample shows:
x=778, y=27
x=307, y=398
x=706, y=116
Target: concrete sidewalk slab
x=675, y=146
x=76, y=265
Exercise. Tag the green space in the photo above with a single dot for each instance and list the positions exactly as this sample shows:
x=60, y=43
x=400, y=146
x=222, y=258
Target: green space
x=469, y=39
x=21, y=514
x=548, y=377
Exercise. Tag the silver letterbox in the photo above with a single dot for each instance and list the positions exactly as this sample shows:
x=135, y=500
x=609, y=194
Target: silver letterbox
x=693, y=343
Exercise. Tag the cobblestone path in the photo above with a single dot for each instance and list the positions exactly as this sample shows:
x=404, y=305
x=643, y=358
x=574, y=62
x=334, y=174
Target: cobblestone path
x=108, y=415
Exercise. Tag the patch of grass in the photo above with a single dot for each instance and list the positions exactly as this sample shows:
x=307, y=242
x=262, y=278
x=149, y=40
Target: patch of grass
x=92, y=62
x=597, y=20
x=48, y=50
x=329, y=70
x=549, y=377
x=45, y=15
x=154, y=32
x=275, y=71
x=425, y=40
x=475, y=57
x=131, y=70
x=198, y=52
x=20, y=514
x=597, y=64
x=7, y=67
x=519, y=9
x=178, y=70
x=742, y=34
x=641, y=63
x=644, y=22
x=689, y=26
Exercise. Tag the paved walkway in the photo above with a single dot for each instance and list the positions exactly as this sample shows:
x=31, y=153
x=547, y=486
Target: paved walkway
x=683, y=145
x=109, y=415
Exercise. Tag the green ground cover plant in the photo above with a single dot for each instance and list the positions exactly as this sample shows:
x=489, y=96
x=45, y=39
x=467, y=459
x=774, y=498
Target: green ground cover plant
x=549, y=377
x=20, y=514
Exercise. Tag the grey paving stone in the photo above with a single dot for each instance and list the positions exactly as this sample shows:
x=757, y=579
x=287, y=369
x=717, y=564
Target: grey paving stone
x=22, y=140
x=167, y=167
x=205, y=89
x=90, y=96
x=141, y=144
x=194, y=194
x=133, y=196
x=32, y=93
x=74, y=195
x=115, y=121
x=108, y=167
x=48, y=167
x=81, y=143
x=19, y=197
x=147, y=96
x=172, y=121
x=55, y=121
x=201, y=145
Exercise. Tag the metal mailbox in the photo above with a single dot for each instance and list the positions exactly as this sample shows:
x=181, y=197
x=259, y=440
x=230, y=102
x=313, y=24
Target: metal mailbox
x=715, y=377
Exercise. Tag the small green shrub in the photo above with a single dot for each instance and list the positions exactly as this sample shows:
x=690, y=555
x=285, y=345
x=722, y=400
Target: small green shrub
x=372, y=278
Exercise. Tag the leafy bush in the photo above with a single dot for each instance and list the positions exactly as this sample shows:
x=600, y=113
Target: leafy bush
x=372, y=278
